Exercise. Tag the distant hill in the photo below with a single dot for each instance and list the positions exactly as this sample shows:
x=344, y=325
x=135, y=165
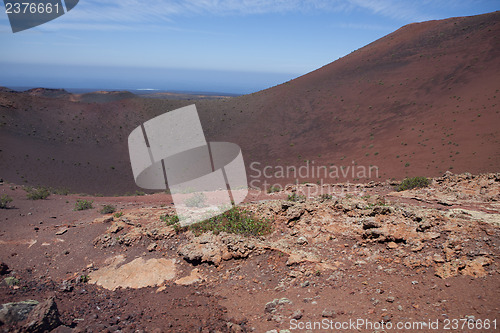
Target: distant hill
x=419, y=101
x=102, y=96
x=46, y=92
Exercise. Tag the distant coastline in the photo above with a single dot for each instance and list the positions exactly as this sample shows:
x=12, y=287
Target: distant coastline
x=138, y=91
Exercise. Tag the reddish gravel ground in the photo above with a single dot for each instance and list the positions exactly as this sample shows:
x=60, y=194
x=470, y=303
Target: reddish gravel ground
x=234, y=295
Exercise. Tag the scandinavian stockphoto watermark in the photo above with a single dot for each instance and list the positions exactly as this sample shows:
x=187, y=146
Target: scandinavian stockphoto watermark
x=279, y=177
x=170, y=152
x=26, y=14
x=364, y=324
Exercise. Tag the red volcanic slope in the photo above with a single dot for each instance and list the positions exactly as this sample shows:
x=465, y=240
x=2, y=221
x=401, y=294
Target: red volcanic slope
x=419, y=101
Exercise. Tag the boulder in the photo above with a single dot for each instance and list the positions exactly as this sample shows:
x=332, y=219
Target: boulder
x=12, y=313
x=43, y=318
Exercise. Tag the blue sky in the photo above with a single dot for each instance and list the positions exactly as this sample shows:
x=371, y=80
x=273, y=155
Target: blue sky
x=204, y=45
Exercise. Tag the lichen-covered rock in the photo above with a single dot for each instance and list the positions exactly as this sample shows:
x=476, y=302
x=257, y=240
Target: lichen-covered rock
x=12, y=313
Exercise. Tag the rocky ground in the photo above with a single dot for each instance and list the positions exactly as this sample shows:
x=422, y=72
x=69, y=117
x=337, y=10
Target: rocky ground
x=360, y=258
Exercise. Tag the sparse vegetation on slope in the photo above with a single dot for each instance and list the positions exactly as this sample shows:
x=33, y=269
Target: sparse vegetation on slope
x=107, y=209
x=83, y=204
x=4, y=201
x=170, y=219
x=411, y=183
x=236, y=221
x=37, y=193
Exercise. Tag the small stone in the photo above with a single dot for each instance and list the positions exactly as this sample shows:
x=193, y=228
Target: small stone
x=234, y=328
x=297, y=314
x=327, y=313
x=116, y=227
x=392, y=245
x=61, y=231
x=433, y=235
x=305, y=284
x=151, y=247
x=104, y=219
x=418, y=246
x=4, y=269
x=302, y=240
x=66, y=286
x=390, y=299
x=424, y=226
x=400, y=308
x=438, y=258
x=271, y=306
x=370, y=224
x=11, y=281
x=284, y=301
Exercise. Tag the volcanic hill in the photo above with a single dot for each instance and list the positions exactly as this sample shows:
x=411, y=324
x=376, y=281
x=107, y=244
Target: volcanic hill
x=419, y=101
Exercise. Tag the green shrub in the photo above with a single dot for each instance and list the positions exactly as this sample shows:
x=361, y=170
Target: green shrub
x=4, y=201
x=83, y=204
x=325, y=196
x=410, y=183
x=107, y=209
x=170, y=219
x=118, y=215
x=197, y=200
x=84, y=278
x=60, y=191
x=236, y=221
x=296, y=197
x=273, y=189
x=37, y=193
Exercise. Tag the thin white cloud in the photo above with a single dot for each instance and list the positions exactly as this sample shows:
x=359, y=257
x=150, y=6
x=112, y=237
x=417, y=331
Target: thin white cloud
x=363, y=26
x=410, y=10
x=118, y=14
x=160, y=10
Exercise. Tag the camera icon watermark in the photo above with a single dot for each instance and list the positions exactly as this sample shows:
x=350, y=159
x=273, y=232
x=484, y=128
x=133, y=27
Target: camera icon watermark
x=26, y=14
x=204, y=178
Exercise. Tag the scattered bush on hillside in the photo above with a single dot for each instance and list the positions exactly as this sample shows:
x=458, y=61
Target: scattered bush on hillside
x=83, y=204
x=170, y=219
x=107, y=209
x=4, y=201
x=37, y=193
x=325, y=196
x=236, y=221
x=273, y=189
x=296, y=197
x=411, y=183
